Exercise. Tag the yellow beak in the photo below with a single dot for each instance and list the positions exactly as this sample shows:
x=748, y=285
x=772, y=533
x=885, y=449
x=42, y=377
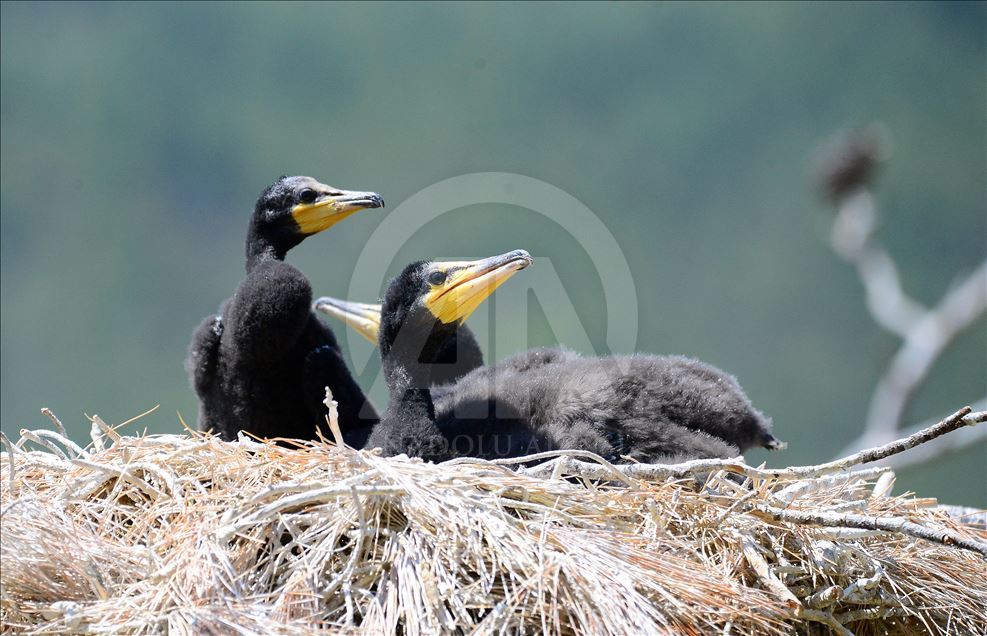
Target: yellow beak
x=364, y=317
x=331, y=207
x=469, y=283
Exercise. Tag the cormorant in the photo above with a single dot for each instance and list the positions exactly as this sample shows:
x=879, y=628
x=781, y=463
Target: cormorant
x=648, y=412
x=263, y=363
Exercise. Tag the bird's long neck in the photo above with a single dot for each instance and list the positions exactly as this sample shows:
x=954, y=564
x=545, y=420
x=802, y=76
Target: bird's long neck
x=407, y=362
x=408, y=382
x=408, y=425
x=457, y=355
x=413, y=405
x=260, y=248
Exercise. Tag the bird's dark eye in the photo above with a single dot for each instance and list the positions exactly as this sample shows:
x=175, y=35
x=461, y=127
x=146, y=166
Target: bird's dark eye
x=437, y=278
x=308, y=195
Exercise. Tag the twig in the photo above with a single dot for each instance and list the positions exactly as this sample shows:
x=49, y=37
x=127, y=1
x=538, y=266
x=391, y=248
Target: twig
x=571, y=466
x=523, y=459
x=883, y=485
x=865, y=588
x=55, y=421
x=789, y=493
x=825, y=618
x=963, y=438
x=825, y=597
x=720, y=518
x=892, y=524
x=97, y=429
x=769, y=580
x=773, y=583
x=562, y=456
x=332, y=417
x=871, y=614
x=961, y=418
x=42, y=434
x=10, y=462
x=133, y=419
x=41, y=440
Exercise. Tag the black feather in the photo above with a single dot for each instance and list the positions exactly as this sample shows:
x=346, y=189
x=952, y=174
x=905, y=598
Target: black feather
x=262, y=364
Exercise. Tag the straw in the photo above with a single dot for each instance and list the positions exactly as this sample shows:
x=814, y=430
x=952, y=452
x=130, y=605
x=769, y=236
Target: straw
x=191, y=534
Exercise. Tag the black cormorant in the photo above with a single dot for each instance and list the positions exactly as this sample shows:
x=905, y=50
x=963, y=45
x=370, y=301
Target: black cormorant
x=648, y=411
x=263, y=363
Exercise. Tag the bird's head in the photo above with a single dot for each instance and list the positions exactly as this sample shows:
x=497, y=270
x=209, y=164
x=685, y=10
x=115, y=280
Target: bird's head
x=293, y=208
x=428, y=300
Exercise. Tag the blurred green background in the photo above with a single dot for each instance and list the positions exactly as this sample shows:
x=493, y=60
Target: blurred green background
x=135, y=138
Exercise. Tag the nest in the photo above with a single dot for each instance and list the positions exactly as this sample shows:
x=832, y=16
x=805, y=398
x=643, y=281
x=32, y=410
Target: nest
x=190, y=534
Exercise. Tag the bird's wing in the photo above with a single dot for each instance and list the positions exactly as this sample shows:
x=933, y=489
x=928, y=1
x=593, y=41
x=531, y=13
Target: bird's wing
x=203, y=355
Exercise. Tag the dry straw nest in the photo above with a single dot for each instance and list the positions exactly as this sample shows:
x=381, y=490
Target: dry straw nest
x=189, y=534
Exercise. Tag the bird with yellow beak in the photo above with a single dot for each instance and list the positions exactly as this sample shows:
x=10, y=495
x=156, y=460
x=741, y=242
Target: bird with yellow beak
x=463, y=286
x=262, y=364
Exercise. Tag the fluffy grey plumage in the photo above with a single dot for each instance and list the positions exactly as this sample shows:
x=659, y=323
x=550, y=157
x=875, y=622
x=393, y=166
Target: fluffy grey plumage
x=523, y=361
x=641, y=406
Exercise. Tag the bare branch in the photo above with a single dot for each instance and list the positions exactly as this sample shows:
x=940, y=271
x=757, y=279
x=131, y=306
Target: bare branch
x=568, y=465
x=850, y=238
x=871, y=614
x=959, y=419
x=844, y=173
x=922, y=454
x=926, y=333
x=888, y=524
x=923, y=345
x=963, y=438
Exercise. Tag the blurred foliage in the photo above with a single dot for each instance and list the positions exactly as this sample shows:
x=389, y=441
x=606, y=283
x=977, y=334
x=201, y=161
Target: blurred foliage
x=135, y=138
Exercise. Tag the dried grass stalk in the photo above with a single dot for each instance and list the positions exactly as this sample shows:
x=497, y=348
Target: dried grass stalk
x=189, y=534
